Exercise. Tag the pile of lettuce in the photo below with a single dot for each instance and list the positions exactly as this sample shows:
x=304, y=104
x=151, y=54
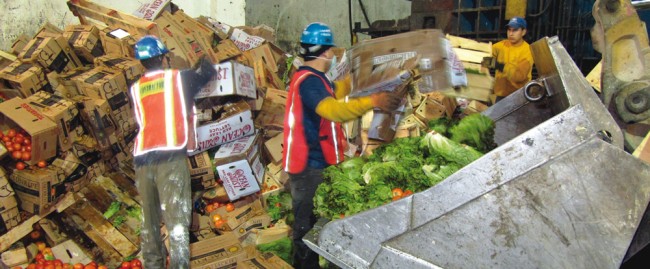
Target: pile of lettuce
x=411, y=164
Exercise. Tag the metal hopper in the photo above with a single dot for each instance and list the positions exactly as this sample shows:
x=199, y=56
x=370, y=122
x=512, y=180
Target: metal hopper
x=558, y=192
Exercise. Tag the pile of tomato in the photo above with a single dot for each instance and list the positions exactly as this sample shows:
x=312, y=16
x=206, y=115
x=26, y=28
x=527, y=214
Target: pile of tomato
x=45, y=260
x=19, y=146
x=217, y=219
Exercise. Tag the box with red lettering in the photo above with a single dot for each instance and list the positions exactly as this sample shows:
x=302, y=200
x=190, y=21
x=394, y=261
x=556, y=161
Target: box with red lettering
x=232, y=78
x=235, y=122
x=239, y=167
x=19, y=115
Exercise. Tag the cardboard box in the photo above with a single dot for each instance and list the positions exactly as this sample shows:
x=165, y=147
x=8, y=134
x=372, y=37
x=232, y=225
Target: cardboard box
x=264, y=76
x=150, y=10
x=19, y=113
x=19, y=44
x=53, y=234
x=64, y=84
x=271, y=186
x=85, y=41
x=15, y=256
x=96, y=117
x=223, y=251
x=70, y=252
x=48, y=30
x=7, y=193
x=256, y=222
x=222, y=30
x=52, y=53
x=236, y=122
x=6, y=59
x=239, y=167
x=474, y=106
x=244, y=41
x=226, y=49
x=201, y=171
x=232, y=78
x=262, y=30
x=271, y=117
x=9, y=218
x=430, y=109
x=242, y=213
x=104, y=83
x=274, y=148
x=131, y=68
x=278, y=173
x=37, y=189
x=27, y=78
x=380, y=64
x=63, y=112
x=271, y=55
x=264, y=261
x=117, y=41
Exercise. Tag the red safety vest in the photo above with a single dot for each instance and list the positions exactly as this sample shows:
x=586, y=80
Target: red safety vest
x=160, y=111
x=296, y=150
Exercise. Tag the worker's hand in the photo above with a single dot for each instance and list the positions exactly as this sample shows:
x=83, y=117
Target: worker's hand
x=386, y=101
x=499, y=66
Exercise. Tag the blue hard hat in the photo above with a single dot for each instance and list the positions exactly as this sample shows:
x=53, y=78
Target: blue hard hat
x=317, y=33
x=149, y=47
x=517, y=22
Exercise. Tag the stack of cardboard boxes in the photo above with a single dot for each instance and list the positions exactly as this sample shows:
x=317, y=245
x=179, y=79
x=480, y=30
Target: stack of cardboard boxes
x=68, y=90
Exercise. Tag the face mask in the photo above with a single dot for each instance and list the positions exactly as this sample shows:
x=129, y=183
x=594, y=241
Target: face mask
x=332, y=62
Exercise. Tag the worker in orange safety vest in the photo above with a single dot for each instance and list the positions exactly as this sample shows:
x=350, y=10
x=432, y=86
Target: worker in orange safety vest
x=313, y=138
x=163, y=102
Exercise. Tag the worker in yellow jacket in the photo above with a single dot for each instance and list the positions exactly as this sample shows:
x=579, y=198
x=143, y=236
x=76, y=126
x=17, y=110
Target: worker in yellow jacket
x=313, y=138
x=514, y=60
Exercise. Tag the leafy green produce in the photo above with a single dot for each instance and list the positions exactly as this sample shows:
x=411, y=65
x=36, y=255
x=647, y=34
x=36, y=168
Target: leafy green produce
x=404, y=166
x=475, y=130
x=281, y=248
x=112, y=209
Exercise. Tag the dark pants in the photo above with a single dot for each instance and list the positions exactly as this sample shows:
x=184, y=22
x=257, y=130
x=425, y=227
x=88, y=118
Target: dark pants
x=303, y=188
x=164, y=188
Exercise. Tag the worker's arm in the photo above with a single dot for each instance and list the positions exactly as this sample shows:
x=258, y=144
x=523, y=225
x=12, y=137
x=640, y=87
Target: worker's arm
x=342, y=87
x=194, y=79
x=315, y=97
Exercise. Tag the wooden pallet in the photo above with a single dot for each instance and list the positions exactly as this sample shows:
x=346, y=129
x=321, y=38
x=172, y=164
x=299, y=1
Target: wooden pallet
x=91, y=13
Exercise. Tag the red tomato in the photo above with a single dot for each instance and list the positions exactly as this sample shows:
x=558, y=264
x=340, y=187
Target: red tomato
x=78, y=266
x=20, y=165
x=397, y=192
x=40, y=266
x=17, y=146
x=49, y=266
x=136, y=267
x=216, y=217
x=28, y=148
x=90, y=266
x=125, y=265
x=17, y=155
x=26, y=156
x=11, y=133
x=136, y=263
x=6, y=139
x=2, y=134
x=41, y=164
x=407, y=193
x=18, y=139
x=9, y=145
x=230, y=207
x=219, y=224
x=58, y=262
x=278, y=204
x=102, y=267
x=27, y=142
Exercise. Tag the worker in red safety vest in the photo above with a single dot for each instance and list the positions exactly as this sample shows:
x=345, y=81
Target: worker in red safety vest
x=313, y=138
x=163, y=100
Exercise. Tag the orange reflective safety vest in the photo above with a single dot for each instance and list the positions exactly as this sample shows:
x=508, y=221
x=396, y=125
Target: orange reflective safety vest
x=296, y=150
x=160, y=111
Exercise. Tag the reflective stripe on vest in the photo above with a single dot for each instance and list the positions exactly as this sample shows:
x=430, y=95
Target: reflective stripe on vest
x=296, y=150
x=160, y=110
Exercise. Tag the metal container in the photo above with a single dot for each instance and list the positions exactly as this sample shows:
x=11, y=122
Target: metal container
x=558, y=192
